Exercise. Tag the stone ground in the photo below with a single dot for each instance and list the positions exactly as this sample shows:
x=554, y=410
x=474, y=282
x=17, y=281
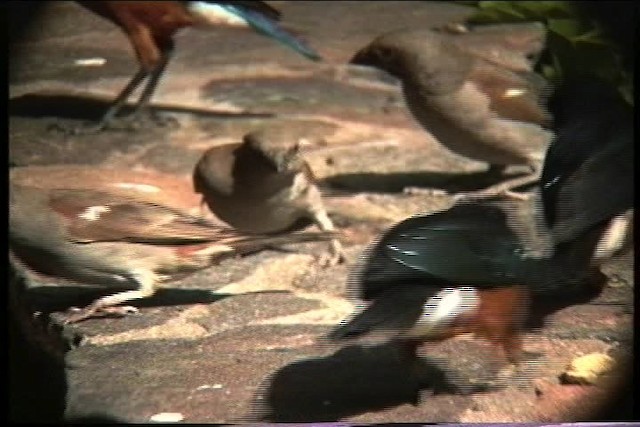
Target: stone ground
x=238, y=342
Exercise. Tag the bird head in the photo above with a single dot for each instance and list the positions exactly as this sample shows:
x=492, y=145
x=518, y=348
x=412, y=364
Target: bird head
x=385, y=55
x=420, y=57
x=279, y=151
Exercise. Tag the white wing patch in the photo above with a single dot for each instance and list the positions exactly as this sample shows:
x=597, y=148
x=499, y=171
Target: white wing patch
x=92, y=213
x=144, y=188
x=511, y=93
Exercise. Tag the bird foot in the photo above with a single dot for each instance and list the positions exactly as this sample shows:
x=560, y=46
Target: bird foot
x=142, y=117
x=133, y=122
x=330, y=259
x=334, y=256
x=76, y=315
x=482, y=194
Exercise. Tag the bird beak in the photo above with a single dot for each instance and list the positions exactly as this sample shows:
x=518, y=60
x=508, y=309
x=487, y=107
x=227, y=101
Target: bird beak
x=361, y=57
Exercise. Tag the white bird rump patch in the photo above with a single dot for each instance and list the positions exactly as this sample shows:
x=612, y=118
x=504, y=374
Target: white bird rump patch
x=442, y=309
x=92, y=213
x=214, y=14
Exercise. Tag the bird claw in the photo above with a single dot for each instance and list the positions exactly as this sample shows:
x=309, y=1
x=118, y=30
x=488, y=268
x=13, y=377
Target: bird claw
x=76, y=315
x=133, y=122
x=164, y=120
x=334, y=256
x=330, y=259
x=143, y=119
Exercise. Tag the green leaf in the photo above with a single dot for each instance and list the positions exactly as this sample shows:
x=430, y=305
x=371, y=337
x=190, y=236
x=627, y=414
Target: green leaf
x=568, y=28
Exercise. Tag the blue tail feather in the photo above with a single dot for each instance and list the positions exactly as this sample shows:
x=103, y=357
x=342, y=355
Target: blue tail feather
x=270, y=28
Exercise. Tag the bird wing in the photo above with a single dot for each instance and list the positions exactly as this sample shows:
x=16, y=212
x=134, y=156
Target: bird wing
x=514, y=46
x=515, y=96
x=588, y=170
x=263, y=19
x=468, y=244
x=93, y=216
x=600, y=189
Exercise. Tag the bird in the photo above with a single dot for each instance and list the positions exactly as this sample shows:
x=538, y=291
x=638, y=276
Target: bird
x=151, y=26
x=588, y=173
x=490, y=266
x=474, y=107
x=515, y=46
x=480, y=267
x=264, y=185
x=98, y=238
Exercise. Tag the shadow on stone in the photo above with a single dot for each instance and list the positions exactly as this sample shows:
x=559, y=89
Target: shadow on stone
x=396, y=182
x=37, y=380
x=352, y=381
x=50, y=299
x=62, y=106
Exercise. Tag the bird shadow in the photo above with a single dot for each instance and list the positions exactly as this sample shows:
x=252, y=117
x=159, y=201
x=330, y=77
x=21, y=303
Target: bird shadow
x=50, y=299
x=397, y=182
x=353, y=380
x=78, y=107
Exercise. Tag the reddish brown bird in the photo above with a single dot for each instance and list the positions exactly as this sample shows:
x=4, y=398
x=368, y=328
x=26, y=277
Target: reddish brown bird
x=99, y=238
x=151, y=26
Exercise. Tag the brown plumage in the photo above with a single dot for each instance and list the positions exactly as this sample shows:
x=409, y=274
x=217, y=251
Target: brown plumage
x=99, y=238
x=263, y=185
x=472, y=106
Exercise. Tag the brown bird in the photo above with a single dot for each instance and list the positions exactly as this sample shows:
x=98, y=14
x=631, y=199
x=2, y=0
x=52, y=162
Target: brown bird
x=472, y=106
x=264, y=185
x=151, y=26
x=99, y=238
x=515, y=46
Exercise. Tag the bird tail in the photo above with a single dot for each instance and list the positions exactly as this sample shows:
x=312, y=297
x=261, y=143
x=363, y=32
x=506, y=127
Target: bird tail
x=396, y=310
x=264, y=23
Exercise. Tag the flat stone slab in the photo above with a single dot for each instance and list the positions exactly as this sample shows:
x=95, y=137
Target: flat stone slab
x=241, y=342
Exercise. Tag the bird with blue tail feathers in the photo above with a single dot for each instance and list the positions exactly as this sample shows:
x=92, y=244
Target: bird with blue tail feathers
x=151, y=26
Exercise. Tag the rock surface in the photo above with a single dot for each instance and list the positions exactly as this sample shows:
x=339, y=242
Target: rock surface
x=238, y=342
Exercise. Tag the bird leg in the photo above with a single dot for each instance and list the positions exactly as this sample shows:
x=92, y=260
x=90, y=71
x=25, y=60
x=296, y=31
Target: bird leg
x=336, y=253
x=113, y=110
x=502, y=189
x=105, y=306
x=142, y=107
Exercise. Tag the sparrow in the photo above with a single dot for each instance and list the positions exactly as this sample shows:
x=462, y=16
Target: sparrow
x=263, y=185
x=472, y=106
x=151, y=26
x=94, y=237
